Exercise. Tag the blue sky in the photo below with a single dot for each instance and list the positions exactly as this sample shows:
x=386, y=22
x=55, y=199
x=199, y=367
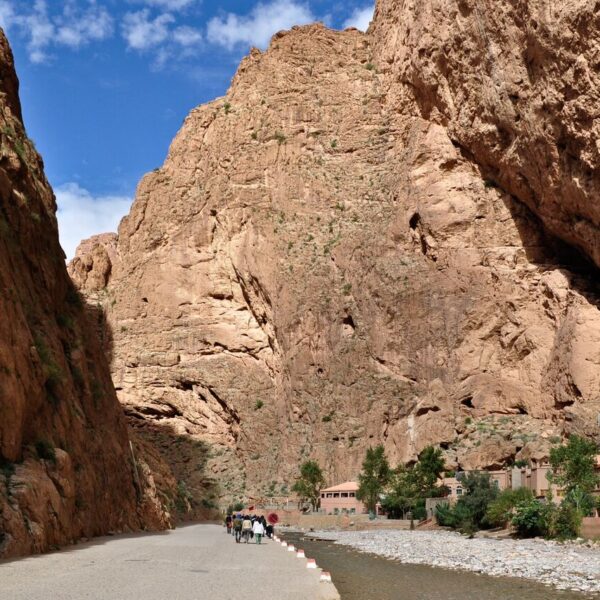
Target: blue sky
x=106, y=84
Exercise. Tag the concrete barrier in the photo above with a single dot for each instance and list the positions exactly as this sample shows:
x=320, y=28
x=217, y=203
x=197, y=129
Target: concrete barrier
x=311, y=563
x=300, y=554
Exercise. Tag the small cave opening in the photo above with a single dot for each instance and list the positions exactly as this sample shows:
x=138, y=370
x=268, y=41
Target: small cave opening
x=348, y=325
x=186, y=386
x=145, y=300
x=414, y=221
x=468, y=402
x=426, y=409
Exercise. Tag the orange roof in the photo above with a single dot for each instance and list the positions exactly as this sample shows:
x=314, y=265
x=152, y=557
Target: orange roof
x=349, y=486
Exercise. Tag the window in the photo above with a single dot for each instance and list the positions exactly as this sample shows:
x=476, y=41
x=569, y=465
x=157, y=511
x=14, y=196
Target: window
x=352, y=511
x=336, y=495
x=459, y=491
x=496, y=483
x=344, y=494
x=352, y=495
x=322, y=495
x=330, y=495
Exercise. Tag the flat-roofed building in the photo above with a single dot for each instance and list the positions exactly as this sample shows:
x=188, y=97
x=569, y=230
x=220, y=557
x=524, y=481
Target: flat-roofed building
x=342, y=499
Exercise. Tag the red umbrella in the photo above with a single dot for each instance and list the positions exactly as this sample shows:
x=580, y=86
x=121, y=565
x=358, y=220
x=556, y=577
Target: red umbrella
x=273, y=518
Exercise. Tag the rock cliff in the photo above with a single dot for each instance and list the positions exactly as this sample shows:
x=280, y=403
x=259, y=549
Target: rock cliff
x=333, y=256
x=66, y=468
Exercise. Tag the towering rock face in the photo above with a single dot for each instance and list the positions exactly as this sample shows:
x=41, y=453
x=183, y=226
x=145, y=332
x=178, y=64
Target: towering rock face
x=65, y=464
x=321, y=266
x=517, y=86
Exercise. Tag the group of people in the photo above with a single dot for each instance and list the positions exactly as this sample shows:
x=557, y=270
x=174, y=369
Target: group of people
x=248, y=527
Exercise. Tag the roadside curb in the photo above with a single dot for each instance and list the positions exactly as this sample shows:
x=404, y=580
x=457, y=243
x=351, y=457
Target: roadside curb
x=327, y=589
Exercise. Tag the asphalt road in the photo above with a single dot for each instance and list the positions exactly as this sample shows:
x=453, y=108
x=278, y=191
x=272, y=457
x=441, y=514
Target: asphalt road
x=197, y=562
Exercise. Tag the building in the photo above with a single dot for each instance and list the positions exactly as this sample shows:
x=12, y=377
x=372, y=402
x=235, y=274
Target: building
x=342, y=499
x=533, y=477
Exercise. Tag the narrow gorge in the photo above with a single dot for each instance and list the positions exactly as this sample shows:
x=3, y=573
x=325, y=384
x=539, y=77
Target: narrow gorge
x=382, y=237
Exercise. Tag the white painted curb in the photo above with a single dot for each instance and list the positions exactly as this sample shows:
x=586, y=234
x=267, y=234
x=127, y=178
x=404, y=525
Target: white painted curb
x=326, y=577
x=291, y=549
x=311, y=563
x=284, y=544
x=300, y=554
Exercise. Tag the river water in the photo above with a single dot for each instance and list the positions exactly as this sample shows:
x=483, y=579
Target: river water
x=361, y=576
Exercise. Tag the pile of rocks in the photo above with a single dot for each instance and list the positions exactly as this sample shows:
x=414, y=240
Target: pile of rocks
x=565, y=566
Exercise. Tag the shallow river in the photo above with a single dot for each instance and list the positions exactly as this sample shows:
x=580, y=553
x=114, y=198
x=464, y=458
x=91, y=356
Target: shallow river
x=360, y=576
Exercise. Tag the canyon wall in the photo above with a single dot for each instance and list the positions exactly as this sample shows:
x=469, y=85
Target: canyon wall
x=66, y=468
x=517, y=86
x=331, y=258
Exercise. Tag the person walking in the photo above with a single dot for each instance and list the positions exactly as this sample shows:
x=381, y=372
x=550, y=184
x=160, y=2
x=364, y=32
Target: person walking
x=246, y=528
x=237, y=528
x=229, y=523
x=259, y=530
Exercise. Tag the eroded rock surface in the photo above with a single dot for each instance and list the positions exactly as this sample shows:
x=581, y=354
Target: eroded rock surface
x=66, y=469
x=321, y=266
x=517, y=86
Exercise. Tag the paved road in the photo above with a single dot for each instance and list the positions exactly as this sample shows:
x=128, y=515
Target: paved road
x=197, y=562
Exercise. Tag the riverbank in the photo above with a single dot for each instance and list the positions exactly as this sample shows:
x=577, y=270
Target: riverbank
x=565, y=567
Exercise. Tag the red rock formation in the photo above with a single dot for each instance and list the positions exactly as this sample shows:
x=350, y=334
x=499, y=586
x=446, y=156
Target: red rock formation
x=326, y=262
x=66, y=468
x=517, y=86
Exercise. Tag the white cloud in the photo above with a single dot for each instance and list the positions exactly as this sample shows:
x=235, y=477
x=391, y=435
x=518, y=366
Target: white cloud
x=76, y=28
x=71, y=26
x=161, y=35
x=257, y=27
x=169, y=5
x=7, y=14
x=187, y=36
x=142, y=32
x=81, y=215
x=360, y=18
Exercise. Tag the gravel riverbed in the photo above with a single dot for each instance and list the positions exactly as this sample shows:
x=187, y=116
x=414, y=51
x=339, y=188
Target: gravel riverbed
x=564, y=566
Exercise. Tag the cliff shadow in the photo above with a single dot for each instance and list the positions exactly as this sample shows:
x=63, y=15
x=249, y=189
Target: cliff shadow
x=179, y=464
x=548, y=252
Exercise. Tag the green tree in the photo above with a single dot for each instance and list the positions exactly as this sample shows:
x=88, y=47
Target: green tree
x=469, y=513
x=374, y=477
x=308, y=486
x=480, y=493
x=573, y=465
x=567, y=521
x=501, y=511
x=430, y=467
x=404, y=491
x=533, y=518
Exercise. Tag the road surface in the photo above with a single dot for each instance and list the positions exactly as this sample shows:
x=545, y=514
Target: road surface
x=196, y=562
